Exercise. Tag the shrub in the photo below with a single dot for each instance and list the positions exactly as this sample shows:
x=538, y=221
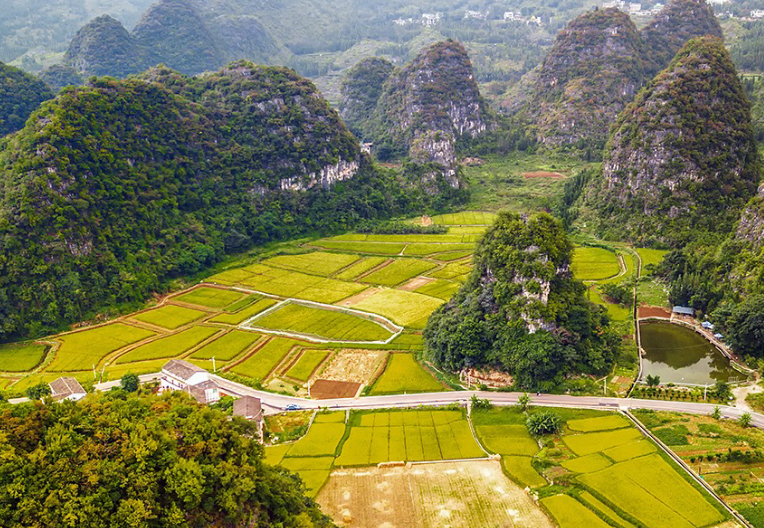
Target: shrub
x=544, y=423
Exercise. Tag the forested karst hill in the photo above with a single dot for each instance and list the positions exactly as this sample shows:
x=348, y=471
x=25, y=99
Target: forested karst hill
x=682, y=158
x=360, y=92
x=104, y=47
x=117, y=186
x=593, y=70
x=20, y=95
x=521, y=311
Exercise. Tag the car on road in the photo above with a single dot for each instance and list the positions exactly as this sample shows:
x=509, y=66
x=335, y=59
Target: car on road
x=293, y=407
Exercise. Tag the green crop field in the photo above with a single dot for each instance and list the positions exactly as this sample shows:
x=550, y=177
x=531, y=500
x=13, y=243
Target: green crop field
x=520, y=468
x=259, y=365
x=275, y=454
x=379, y=248
x=227, y=346
x=170, y=316
x=465, y=218
x=404, y=374
x=442, y=289
x=308, y=362
x=593, y=502
x=507, y=439
x=82, y=350
x=327, y=324
x=454, y=271
x=407, y=436
x=629, y=451
x=116, y=371
x=243, y=303
x=322, y=440
x=330, y=417
x=653, y=492
x=592, y=263
x=398, y=271
x=451, y=255
x=650, y=256
x=416, y=250
x=21, y=357
x=402, y=307
x=316, y=263
x=210, y=297
x=603, y=423
x=247, y=313
x=585, y=444
x=587, y=464
x=170, y=346
x=408, y=342
x=360, y=267
x=569, y=513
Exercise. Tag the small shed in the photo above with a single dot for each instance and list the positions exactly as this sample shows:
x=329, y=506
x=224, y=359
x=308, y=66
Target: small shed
x=683, y=310
x=67, y=389
x=250, y=408
x=719, y=336
x=707, y=325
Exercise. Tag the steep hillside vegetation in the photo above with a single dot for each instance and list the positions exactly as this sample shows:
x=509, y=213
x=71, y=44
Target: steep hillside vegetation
x=682, y=159
x=591, y=73
x=59, y=75
x=521, y=311
x=20, y=95
x=677, y=23
x=360, y=92
x=104, y=47
x=116, y=187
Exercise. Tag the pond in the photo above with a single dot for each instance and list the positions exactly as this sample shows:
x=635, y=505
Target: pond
x=680, y=355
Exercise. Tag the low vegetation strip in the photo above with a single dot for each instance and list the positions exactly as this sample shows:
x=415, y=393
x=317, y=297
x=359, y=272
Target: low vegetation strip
x=585, y=444
x=22, y=357
x=82, y=350
x=228, y=346
x=210, y=297
x=592, y=263
x=308, y=362
x=316, y=263
x=398, y=271
x=404, y=375
x=569, y=513
x=324, y=323
x=170, y=316
x=170, y=346
x=244, y=314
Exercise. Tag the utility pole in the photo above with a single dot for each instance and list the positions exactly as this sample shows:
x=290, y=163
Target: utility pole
x=103, y=370
x=705, y=391
x=605, y=389
x=214, y=368
x=310, y=382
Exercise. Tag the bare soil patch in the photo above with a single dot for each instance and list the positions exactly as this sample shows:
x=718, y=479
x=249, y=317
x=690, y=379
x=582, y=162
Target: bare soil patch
x=416, y=282
x=355, y=299
x=357, y=366
x=426, y=221
x=326, y=389
x=653, y=311
x=453, y=494
x=543, y=174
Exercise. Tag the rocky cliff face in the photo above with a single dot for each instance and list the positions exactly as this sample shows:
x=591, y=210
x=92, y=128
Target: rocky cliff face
x=427, y=105
x=593, y=70
x=677, y=23
x=682, y=157
x=360, y=93
x=751, y=226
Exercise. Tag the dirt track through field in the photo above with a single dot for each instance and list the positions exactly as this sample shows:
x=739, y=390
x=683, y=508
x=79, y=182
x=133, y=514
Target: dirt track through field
x=450, y=494
x=543, y=174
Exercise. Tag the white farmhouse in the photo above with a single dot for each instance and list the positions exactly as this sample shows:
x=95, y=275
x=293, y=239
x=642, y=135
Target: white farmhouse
x=184, y=376
x=67, y=389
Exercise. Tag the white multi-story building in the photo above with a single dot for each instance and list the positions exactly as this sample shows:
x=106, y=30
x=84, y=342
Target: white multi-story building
x=184, y=376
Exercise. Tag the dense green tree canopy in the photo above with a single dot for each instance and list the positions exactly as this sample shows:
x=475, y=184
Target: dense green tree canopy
x=521, y=311
x=20, y=95
x=123, y=461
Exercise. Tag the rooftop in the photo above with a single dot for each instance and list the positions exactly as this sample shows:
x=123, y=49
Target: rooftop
x=181, y=369
x=249, y=407
x=684, y=310
x=63, y=387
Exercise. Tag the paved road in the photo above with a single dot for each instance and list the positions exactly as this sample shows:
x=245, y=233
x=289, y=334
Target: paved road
x=277, y=402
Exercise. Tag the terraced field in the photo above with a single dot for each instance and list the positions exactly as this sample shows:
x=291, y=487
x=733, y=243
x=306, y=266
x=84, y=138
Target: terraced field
x=593, y=263
x=21, y=357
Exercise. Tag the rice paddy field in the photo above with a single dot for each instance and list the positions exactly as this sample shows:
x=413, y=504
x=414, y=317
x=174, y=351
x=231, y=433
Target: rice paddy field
x=217, y=298
x=21, y=357
x=593, y=263
x=81, y=350
x=170, y=316
x=404, y=375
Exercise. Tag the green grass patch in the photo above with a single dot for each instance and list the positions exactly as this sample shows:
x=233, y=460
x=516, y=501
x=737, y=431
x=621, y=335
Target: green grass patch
x=359, y=268
x=402, y=307
x=21, y=357
x=569, y=513
x=228, y=346
x=507, y=439
x=629, y=451
x=592, y=263
x=246, y=313
x=170, y=316
x=603, y=423
x=521, y=469
x=327, y=324
x=442, y=289
x=210, y=297
x=170, y=346
x=673, y=436
x=587, y=464
x=404, y=374
x=653, y=292
x=82, y=350
x=585, y=444
x=650, y=257
x=262, y=362
x=650, y=490
x=316, y=263
x=308, y=362
x=398, y=271
x=322, y=440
